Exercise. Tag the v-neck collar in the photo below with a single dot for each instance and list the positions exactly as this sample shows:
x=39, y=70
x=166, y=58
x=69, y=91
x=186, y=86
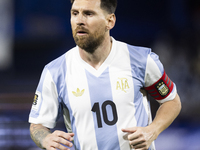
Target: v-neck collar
x=104, y=65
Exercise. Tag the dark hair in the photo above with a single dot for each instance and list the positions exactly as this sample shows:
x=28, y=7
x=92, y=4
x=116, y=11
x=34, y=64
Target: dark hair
x=108, y=5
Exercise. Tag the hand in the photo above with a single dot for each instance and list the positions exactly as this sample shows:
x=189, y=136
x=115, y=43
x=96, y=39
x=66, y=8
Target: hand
x=140, y=138
x=55, y=140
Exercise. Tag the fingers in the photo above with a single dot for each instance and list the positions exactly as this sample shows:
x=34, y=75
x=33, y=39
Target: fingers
x=59, y=140
x=136, y=138
x=63, y=138
x=67, y=136
x=138, y=143
x=129, y=130
x=140, y=146
x=59, y=146
x=130, y=133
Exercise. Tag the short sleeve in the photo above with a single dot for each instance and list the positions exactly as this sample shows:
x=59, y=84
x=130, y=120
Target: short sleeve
x=157, y=83
x=45, y=106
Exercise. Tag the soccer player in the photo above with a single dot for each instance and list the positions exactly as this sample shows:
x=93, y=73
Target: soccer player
x=97, y=87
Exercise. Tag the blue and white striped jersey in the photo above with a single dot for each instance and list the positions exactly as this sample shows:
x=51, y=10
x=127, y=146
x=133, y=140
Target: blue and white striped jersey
x=97, y=104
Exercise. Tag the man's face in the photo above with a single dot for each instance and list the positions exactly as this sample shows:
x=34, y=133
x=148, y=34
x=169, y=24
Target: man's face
x=88, y=22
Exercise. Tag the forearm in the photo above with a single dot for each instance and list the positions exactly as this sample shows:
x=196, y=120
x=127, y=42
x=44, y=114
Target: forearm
x=38, y=133
x=165, y=115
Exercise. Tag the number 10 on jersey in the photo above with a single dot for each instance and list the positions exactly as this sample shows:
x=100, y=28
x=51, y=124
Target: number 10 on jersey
x=96, y=109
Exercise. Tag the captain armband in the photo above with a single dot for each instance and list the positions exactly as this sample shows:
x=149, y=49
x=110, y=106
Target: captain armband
x=162, y=88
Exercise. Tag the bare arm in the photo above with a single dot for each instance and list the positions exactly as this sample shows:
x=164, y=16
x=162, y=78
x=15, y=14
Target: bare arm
x=38, y=133
x=142, y=137
x=44, y=139
x=166, y=114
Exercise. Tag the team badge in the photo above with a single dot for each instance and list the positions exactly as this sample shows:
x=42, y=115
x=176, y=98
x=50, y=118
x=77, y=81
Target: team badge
x=122, y=84
x=162, y=88
x=36, y=101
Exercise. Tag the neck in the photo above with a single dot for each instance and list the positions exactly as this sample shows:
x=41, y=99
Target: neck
x=100, y=54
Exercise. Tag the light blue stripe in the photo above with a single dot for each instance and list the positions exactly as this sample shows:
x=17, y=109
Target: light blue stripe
x=138, y=58
x=58, y=70
x=74, y=130
x=100, y=91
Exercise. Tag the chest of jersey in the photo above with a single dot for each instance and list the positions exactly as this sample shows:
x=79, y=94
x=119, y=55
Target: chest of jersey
x=102, y=101
x=112, y=88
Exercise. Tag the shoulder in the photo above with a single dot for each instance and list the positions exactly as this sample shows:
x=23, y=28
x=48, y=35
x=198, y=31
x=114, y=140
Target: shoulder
x=138, y=51
x=138, y=55
x=134, y=51
x=58, y=67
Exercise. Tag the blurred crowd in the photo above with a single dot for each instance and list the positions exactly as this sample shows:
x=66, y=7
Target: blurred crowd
x=179, y=50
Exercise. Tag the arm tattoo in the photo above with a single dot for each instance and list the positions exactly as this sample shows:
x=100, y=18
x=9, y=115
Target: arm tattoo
x=38, y=133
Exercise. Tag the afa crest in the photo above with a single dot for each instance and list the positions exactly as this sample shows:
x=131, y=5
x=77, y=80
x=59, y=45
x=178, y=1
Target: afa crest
x=162, y=88
x=122, y=84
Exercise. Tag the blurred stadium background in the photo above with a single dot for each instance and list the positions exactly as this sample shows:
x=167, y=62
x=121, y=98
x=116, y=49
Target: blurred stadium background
x=34, y=32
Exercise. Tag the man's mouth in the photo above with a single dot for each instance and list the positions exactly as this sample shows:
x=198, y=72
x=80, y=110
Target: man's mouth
x=81, y=32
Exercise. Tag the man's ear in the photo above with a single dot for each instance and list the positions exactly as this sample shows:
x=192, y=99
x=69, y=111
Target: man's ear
x=111, y=19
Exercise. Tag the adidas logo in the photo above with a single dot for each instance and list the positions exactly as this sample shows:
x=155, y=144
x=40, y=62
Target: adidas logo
x=78, y=92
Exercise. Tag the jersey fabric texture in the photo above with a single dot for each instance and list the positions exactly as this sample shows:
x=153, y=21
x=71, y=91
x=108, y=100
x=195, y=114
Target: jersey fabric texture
x=97, y=104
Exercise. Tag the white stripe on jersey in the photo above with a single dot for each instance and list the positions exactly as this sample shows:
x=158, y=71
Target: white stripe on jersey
x=151, y=68
x=80, y=105
x=122, y=89
x=49, y=99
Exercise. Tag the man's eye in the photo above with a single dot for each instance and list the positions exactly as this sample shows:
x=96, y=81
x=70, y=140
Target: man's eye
x=74, y=13
x=89, y=14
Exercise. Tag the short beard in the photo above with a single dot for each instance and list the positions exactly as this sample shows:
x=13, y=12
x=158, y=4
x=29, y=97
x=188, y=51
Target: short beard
x=90, y=43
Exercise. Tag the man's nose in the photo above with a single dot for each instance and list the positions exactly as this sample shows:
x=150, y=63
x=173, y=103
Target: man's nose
x=80, y=19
